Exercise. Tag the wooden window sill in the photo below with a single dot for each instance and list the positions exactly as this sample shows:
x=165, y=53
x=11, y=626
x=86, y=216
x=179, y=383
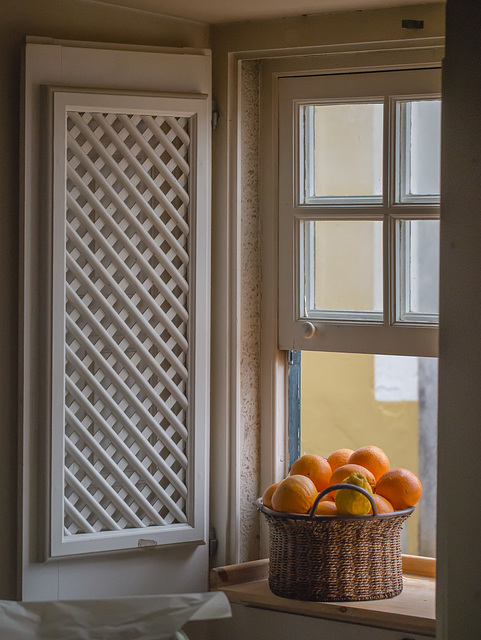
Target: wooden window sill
x=412, y=611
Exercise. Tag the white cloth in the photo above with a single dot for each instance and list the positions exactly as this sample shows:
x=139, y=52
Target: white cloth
x=157, y=617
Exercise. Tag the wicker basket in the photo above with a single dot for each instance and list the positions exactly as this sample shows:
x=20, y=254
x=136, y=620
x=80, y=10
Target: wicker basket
x=335, y=558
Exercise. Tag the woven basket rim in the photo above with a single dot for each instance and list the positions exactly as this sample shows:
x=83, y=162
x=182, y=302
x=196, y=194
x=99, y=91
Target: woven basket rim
x=306, y=516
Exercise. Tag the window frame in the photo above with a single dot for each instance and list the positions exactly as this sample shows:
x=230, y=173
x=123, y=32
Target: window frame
x=274, y=364
x=357, y=332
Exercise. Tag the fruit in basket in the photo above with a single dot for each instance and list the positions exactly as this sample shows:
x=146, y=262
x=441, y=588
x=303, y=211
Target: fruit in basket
x=383, y=505
x=352, y=502
x=343, y=472
x=401, y=487
x=395, y=490
x=326, y=508
x=372, y=458
x=315, y=468
x=267, y=497
x=295, y=494
x=330, y=497
x=339, y=458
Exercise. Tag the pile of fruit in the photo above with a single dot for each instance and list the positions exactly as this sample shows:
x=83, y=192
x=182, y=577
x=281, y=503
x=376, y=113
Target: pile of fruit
x=367, y=467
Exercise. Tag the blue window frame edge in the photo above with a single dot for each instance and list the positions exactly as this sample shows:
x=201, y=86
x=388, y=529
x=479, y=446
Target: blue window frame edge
x=294, y=406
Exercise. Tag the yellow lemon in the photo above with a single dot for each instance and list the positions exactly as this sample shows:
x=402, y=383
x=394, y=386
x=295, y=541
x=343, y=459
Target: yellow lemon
x=350, y=502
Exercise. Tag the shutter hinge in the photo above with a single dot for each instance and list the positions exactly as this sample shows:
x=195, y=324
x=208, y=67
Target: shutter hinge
x=215, y=115
x=213, y=542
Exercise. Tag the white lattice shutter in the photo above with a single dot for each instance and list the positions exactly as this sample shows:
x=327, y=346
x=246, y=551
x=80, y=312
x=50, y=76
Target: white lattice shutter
x=128, y=303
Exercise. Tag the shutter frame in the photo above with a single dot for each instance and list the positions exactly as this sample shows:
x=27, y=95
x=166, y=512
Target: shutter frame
x=196, y=107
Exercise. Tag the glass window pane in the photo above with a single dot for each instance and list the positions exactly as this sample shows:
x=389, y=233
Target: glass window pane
x=419, y=150
x=351, y=400
x=418, y=264
x=343, y=265
x=343, y=151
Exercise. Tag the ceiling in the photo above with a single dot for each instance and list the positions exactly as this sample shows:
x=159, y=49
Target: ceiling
x=217, y=11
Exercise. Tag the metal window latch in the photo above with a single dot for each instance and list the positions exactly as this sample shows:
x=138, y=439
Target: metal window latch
x=213, y=542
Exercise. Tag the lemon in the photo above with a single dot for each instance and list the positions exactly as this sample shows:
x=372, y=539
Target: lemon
x=350, y=502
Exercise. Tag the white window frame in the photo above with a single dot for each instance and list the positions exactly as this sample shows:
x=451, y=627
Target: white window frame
x=301, y=327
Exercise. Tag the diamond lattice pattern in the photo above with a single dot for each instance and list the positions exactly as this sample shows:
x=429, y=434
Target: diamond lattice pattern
x=126, y=315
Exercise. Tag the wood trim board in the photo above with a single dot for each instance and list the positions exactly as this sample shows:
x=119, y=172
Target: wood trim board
x=412, y=611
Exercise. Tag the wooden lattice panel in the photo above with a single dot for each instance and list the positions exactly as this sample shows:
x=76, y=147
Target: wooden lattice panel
x=126, y=321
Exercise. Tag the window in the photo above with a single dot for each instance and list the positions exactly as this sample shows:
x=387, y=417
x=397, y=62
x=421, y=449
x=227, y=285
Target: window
x=359, y=160
x=359, y=192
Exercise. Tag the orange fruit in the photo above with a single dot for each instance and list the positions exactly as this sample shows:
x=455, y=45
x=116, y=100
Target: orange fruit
x=267, y=497
x=326, y=508
x=295, y=494
x=341, y=473
x=372, y=458
x=401, y=487
x=328, y=497
x=383, y=505
x=338, y=458
x=315, y=468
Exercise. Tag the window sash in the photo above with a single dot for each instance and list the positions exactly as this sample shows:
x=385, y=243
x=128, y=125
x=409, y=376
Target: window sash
x=301, y=326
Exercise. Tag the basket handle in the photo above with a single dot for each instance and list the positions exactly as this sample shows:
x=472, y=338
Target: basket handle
x=344, y=485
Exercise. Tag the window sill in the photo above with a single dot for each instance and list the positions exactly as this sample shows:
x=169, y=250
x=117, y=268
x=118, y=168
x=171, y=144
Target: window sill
x=412, y=611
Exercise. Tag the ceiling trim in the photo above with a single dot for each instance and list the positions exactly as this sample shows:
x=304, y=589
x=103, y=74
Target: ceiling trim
x=120, y=4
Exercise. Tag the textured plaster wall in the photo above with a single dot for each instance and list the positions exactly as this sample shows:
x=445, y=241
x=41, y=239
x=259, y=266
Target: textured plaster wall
x=250, y=314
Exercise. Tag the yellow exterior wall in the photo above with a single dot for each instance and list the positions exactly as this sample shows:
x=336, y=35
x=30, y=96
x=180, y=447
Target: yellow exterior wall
x=339, y=409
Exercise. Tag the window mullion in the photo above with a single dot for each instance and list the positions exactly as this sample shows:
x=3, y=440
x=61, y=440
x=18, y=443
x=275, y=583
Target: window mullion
x=389, y=146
